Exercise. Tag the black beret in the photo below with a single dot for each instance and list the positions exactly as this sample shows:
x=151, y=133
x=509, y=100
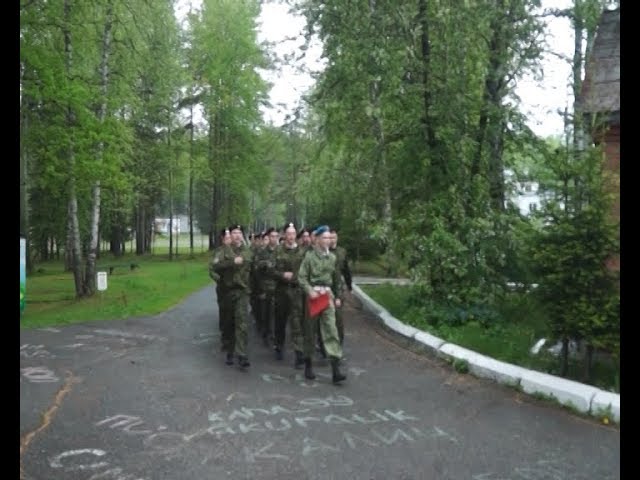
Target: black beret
x=288, y=225
x=236, y=227
x=224, y=231
x=302, y=232
x=269, y=231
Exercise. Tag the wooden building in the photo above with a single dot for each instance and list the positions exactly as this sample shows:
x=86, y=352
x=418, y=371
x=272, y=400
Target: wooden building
x=600, y=101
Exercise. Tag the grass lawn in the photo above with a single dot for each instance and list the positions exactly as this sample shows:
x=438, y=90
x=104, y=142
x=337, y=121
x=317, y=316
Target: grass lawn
x=374, y=268
x=152, y=288
x=509, y=340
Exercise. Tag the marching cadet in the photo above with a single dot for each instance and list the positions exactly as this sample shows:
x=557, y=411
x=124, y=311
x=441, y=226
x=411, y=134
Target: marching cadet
x=304, y=239
x=304, y=242
x=263, y=264
x=222, y=298
x=343, y=267
x=319, y=274
x=255, y=246
x=233, y=264
x=289, y=297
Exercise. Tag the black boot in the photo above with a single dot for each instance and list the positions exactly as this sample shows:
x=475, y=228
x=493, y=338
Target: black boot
x=278, y=352
x=243, y=361
x=337, y=376
x=308, y=372
x=299, y=360
x=229, y=360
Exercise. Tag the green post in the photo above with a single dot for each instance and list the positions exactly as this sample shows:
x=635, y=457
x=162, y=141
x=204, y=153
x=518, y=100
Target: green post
x=23, y=272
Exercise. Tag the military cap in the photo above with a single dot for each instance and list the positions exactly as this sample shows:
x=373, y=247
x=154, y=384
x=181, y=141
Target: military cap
x=320, y=230
x=236, y=227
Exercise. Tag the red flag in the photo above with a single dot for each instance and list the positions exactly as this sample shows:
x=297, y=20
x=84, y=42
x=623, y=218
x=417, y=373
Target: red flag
x=315, y=306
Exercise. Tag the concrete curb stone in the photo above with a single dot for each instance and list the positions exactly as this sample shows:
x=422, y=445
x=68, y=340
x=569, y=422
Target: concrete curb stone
x=584, y=398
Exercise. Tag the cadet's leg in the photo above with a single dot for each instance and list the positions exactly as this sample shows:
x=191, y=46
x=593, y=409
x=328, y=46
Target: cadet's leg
x=294, y=318
x=281, y=312
x=331, y=341
x=268, y=319
x=318, y=337
x=309, y=326
x=340, y=324
x=228, y=325
x=240, y=310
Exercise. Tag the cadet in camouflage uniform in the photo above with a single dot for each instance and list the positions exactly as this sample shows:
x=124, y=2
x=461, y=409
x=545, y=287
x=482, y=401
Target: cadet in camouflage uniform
x=304, y=239
x=264, y=262
x=255, y=243
x=345, y=271
x=289, y=299
x=222, y=298
x=233, y=264
x=319, y=273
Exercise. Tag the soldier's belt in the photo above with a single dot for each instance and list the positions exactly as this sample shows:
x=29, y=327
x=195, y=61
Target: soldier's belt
x=321, y=288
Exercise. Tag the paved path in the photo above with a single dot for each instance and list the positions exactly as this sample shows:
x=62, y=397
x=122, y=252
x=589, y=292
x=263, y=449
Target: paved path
x=150, y=398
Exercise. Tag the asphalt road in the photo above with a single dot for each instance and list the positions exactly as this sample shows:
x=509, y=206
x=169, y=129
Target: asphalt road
x=151, y=398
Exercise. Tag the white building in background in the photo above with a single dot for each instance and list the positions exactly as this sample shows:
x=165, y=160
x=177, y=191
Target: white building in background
x=526, y=195
x=180, y=225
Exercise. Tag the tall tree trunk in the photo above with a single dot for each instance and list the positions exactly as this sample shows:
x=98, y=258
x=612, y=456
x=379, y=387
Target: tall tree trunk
x=381, y=156
x=90, y=270
x=588, y=362
x=24, y=213
x=216, y=194
x=115, y=243
x=73, y=232
x=490, y=122
x=577, y=66
x=564, y=357
x=425, y=44
x=191, y=146
x=170, y=192
x=140, y=227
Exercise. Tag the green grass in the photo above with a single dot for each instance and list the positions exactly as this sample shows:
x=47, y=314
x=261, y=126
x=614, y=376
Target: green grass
x=148, y=290
x=160, y=244
x=375, y=268
x=509, y=340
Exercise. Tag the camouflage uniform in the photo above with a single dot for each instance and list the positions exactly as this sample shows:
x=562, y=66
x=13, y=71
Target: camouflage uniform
x=255, y=288
x=343, y=267
x=221, y=295
x=289, y=302
x=264, y=263
x=319, y=270
x=235, y=278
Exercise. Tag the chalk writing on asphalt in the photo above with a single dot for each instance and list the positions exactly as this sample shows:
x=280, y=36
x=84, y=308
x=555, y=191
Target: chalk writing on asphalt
x=34, y=351
x=538, y=470
x=384, y=427
x=39, y=375
x=92, y=461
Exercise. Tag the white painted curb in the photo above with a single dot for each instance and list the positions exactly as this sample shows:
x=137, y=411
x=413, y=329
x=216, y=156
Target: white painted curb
x=565, y=391
x=483, y=366
x=603, y=401
x=585, y=398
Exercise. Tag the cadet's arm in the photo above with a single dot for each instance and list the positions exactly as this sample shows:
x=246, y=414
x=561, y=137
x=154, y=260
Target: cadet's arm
x=337, y=285
x=303, y=276
x=346, y=272
x=222, y=261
